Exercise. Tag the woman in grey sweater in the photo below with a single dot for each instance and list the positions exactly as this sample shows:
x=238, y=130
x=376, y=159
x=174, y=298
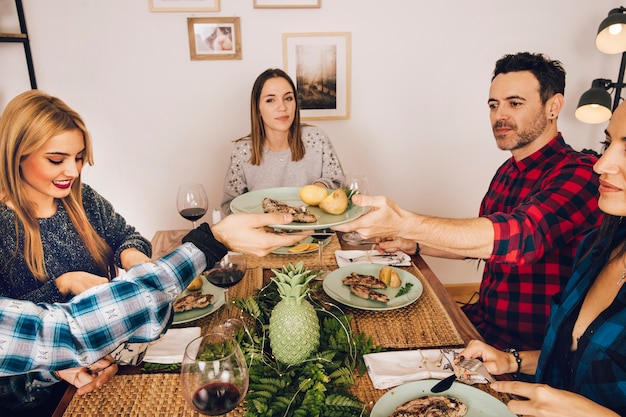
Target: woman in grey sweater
x=279, y=152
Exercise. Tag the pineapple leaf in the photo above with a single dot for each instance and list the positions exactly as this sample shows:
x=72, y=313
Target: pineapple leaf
x=320, y=385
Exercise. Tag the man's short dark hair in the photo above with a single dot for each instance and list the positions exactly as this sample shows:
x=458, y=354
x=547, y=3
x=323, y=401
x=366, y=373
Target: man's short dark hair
x=549, y=73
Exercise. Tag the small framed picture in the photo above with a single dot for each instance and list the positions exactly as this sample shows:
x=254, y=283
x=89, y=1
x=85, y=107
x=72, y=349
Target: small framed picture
x=184, y=5
x=214, y=38
x=319, y=64
x=287, y=4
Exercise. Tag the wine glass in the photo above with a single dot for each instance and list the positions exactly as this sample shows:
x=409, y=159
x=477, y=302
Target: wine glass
x=321, y=235
x=192, y=202
x=227, y=272
x=357, y=184
x=214, y=376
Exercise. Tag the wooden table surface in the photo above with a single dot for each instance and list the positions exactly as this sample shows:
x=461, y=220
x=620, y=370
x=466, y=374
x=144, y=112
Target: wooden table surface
x=164, y=241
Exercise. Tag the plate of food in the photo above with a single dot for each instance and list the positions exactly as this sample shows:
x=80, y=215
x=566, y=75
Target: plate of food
x=285, y=199
x=460, y=400
x=194, y=304
x=306, y=245
x=360, y=286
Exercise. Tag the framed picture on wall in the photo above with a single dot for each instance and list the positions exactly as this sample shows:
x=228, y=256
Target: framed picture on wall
x=184, y=5
x=214, y=38
x=319, y=64
x=287, y=4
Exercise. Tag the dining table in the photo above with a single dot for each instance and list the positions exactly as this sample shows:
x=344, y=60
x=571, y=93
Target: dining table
x=434, y=320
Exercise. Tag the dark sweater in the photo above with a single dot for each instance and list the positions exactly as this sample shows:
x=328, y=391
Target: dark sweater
x=63, y=248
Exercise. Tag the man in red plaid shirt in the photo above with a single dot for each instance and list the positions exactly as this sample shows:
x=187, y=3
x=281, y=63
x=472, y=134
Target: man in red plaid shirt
x=540, y=204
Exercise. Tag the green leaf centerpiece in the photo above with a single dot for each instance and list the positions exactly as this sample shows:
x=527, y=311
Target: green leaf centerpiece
x=302, y=355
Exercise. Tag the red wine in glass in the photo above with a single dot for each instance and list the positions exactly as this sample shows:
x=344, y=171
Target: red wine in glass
x=217, y=398
x=192, y=214
x=225, y=277
x=192, y=202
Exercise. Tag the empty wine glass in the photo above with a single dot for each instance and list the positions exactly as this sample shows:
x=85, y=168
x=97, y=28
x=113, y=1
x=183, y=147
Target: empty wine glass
x=214, y=376
x=192, y=202
x=357, y=184
x=227, y=272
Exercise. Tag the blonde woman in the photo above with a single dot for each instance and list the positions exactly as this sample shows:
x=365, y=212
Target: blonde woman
x=60, y=237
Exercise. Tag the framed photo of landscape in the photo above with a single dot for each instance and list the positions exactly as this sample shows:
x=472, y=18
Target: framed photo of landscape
x=319, y=64
x=214, y=38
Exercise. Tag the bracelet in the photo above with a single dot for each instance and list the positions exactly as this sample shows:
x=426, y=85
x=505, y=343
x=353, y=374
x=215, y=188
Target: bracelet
x=515, y=354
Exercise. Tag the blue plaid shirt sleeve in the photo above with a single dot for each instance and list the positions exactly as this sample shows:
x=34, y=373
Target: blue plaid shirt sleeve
x=134, y=308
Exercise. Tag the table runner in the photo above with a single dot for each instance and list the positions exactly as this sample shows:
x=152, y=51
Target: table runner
x=159, y=394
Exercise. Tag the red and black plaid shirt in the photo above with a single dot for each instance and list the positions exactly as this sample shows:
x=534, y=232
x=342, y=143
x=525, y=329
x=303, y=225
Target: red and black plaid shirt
x=541, y=207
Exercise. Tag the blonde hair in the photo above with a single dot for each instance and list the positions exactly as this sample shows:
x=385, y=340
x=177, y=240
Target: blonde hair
x=28, y=121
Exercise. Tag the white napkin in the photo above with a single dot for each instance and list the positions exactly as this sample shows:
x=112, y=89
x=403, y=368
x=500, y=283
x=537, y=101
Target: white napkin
x=170, y=348
x=389, y=369
x=354, y=257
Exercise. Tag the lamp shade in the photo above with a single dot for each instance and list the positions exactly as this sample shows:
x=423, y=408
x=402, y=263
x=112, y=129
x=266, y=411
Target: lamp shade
x=611, y=38
x=594, y=105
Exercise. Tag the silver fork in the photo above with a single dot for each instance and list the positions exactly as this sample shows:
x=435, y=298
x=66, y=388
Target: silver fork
x=476, y=366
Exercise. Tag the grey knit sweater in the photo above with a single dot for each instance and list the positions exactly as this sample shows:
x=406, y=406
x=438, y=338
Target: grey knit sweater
x=63, y=248
x=320, y=164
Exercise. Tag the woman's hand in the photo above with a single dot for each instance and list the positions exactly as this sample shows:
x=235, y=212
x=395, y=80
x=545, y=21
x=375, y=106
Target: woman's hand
x=496, y=361
x=544, y=401
x=89, y=378
x=76, y=282
x=131, y=257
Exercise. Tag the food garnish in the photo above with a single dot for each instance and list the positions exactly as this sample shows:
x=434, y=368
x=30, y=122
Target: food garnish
x=404, y=289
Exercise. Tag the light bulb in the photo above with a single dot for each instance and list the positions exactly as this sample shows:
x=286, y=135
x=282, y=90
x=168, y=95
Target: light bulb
x=615, y=29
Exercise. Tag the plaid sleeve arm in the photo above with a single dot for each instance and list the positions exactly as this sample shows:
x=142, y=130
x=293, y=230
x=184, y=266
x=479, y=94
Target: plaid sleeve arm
x=135, y=308
x=563, y=208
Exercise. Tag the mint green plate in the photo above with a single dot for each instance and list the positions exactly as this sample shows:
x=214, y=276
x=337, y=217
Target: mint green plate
x=335, y=289
x=479, y=403
x=196, y=313
x=250, y=202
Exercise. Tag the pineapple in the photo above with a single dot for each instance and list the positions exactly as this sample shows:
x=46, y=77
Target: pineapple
x=294, y=327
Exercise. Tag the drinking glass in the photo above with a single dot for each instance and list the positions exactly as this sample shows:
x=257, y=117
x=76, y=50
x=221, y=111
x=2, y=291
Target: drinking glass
x=227, y=272
x=192, y=202
x=358, y=184
x=214, y=376
x=321, y=235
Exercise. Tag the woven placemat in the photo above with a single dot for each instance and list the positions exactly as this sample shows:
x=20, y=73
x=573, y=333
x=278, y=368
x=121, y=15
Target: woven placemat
x=154, y=395
x=424, y=323
x=310, y=259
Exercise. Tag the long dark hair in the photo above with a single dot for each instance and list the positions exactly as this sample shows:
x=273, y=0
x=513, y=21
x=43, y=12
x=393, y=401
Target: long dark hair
x=258, y=128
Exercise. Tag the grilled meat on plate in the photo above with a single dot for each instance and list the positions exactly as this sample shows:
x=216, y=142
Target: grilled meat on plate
x=193, y=300
x=369, y=281
x=300, y=214
x=431, y=406
x=367, y=293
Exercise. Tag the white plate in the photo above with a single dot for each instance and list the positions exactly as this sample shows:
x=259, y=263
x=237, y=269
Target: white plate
x=196, y=313
x=251, y=202
x=333, y=286
x=479, y=403
x=285, y=249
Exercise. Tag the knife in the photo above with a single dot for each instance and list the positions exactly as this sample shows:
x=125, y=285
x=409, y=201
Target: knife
x=444, y=384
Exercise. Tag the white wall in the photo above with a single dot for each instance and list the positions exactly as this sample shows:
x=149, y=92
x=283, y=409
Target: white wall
x=420, y=76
